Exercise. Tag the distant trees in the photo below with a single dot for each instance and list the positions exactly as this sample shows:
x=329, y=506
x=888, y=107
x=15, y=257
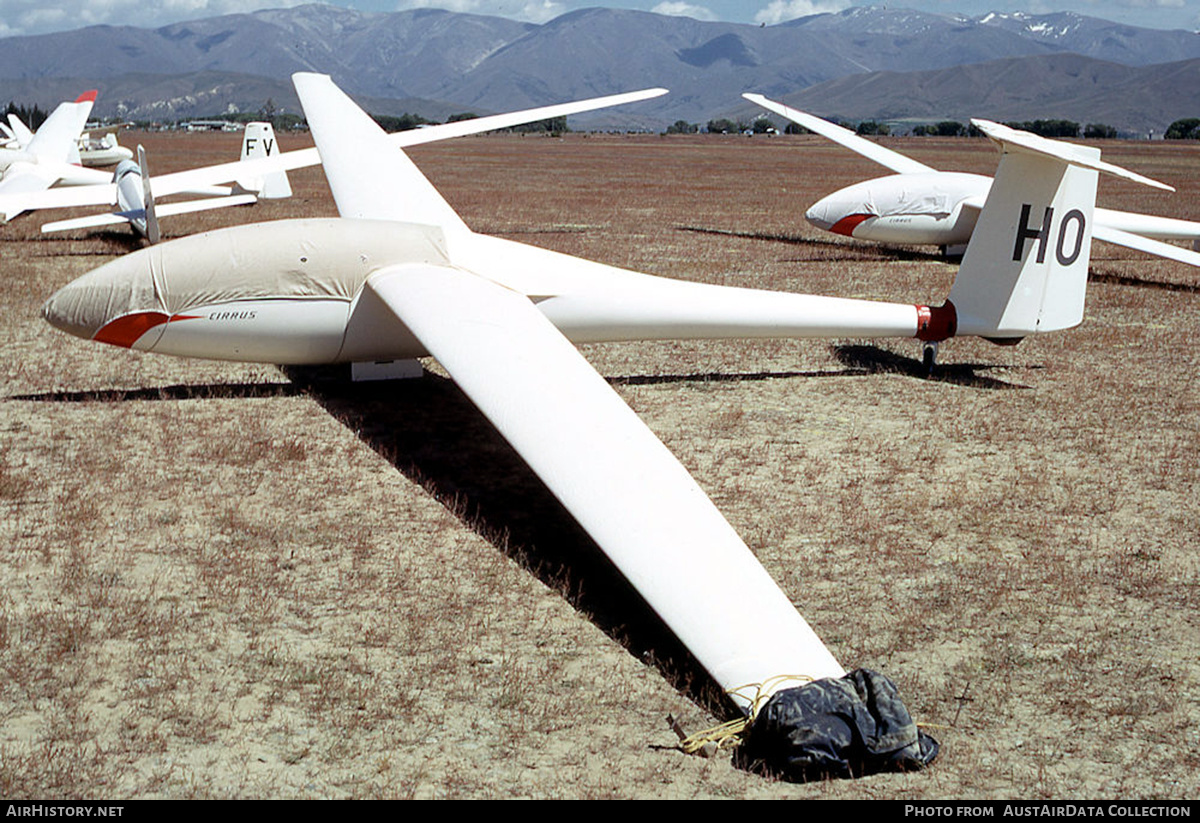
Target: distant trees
x=1185, y=129
x=724, y=126
x=30, y=116
x=1048, y=128
x=551, y=125
x=944, y=128
x=872, y=127
x=1100, y=131
x=404, y=122
x=269, y=111
x=683, y=127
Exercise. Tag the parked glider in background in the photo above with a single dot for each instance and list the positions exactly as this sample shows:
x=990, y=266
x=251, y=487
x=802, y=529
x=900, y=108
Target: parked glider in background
x=99, y=147
x=133, y=190
x=51, y=156
x=270, y=171
x=399, y=275
x=9, y=138
x=920, y=205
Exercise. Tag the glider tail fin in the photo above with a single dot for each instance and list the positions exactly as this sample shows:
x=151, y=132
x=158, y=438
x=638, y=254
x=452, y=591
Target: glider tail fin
x=259, y=141
x=1025, y=269
x=20, y=131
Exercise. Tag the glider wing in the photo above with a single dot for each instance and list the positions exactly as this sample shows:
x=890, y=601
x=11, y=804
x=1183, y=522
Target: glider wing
x=872, y=151
x=609, y=470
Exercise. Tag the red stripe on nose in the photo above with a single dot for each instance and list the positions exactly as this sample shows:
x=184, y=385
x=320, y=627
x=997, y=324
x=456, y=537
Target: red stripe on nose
x=848, y=224
x=125, y=331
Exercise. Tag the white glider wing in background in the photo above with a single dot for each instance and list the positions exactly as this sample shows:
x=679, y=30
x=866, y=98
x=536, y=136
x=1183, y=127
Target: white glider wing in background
x=893, y=160
x=921, y=205
x=400, y=275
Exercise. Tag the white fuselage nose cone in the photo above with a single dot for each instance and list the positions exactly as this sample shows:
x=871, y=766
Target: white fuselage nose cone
x=904, y=209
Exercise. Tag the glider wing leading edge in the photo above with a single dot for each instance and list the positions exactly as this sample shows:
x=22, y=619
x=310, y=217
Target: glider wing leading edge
x=400, y=275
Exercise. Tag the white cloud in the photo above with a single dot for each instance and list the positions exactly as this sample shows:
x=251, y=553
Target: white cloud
x=36, y=17
x=532, y=11
x=777, y=11
x=675, y=8
x=540, y=11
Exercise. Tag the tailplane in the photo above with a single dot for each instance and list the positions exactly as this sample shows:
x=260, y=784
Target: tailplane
x=1025, y=269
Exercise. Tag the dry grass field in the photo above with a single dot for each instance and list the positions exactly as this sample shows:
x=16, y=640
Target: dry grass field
x=222, y=580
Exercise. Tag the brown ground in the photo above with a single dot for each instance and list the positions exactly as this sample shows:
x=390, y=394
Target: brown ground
x=223, y=581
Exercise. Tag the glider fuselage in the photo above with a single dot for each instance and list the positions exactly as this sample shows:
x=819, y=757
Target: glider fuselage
x=293, y=292
x=925, y=208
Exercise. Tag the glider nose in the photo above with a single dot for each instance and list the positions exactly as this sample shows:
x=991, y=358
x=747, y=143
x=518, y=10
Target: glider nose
x=840, y=212
x=116, y=303
x=819, y=214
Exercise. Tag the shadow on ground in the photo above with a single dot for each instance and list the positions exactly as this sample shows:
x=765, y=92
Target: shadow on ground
x=434, y=435
x=865, y=359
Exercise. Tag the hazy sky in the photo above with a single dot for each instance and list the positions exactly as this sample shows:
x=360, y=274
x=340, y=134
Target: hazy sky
x=39, y=16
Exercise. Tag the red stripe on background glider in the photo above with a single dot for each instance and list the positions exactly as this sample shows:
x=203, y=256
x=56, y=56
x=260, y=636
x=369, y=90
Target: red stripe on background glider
x=848, y=224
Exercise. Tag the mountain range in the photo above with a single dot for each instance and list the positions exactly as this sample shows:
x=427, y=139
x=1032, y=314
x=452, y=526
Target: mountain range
x=865, y=62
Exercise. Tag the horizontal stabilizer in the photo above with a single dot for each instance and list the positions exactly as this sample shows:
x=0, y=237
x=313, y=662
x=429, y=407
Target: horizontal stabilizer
x=190, y=206
x=1013, y=140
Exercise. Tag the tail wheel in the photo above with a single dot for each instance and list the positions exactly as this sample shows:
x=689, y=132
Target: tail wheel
x=929, y=355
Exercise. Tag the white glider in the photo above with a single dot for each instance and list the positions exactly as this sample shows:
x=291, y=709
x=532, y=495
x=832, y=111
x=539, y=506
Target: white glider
x=100, y=147
x=261, y=165
x=920, y=205
x=133, y=190
x=50, y=157
x=399, y=275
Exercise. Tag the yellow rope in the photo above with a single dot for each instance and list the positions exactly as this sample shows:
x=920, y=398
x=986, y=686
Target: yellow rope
x=729, y=734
